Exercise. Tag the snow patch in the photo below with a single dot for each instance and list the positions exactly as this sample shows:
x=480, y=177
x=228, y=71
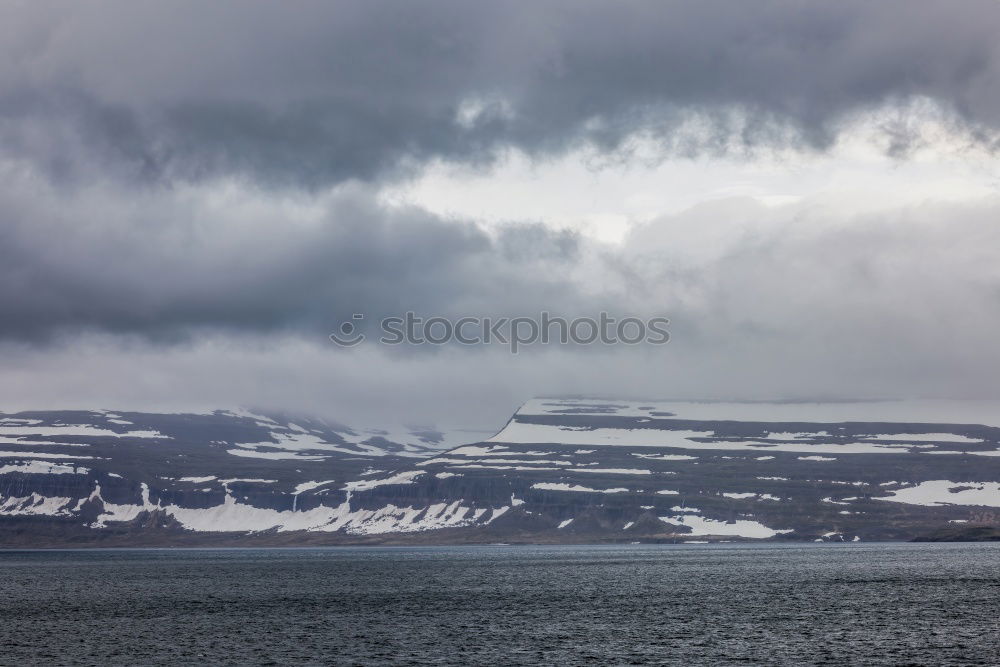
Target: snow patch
x=406, y=477
x=309, y=486
x=273, y=456
x=667, y=457
x=741, y=528
x=42, y=468
x=941, y=492
x=35, y=505
x=74, y=430
x=42, y=455
x=559, y=486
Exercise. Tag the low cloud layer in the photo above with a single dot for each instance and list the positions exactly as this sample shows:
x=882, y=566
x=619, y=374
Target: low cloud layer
x=763, y=302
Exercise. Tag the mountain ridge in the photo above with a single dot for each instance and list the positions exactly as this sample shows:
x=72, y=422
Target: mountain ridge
x=560, y=470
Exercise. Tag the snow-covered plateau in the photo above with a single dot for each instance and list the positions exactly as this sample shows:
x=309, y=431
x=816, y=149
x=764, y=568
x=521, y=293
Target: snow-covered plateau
x=561, y=470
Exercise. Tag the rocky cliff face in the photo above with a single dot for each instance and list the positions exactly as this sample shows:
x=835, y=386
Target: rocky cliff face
x=562, y=470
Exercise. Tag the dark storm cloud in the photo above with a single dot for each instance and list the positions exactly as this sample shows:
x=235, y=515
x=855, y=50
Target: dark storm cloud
x=311, y=93
x=161, y=268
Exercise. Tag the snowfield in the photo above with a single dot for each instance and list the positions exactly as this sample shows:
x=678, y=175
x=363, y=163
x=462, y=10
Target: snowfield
x=943, y=492
x=985, y=412
x=530, y=433
x=556, y=486
x=42, y=468
x=741, y=528
x=73, y=430
x=366, y=484
x=235, y=516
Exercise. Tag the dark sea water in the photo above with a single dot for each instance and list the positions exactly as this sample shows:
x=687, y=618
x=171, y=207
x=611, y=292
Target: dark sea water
x=686, y=604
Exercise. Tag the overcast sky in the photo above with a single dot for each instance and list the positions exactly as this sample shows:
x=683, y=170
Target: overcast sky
x=194, y=195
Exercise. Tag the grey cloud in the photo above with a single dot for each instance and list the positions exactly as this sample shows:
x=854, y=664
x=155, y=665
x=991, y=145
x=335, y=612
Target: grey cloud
x=162, y=267
x=905, y=295
x=787, y=301
x=151, y=155
x=309, y=93
x=791, y=302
